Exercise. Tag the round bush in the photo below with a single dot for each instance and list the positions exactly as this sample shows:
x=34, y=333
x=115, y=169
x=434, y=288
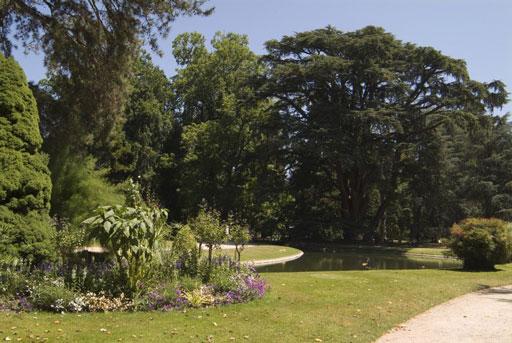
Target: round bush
x=482, y=243
x=51, y=297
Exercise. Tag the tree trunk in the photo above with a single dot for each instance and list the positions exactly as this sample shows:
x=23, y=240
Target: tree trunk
x=210, y=250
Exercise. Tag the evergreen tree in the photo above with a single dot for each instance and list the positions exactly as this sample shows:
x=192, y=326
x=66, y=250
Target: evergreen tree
x=79, y=187
x=482, y=169
x=25, y=185
x=359, y=107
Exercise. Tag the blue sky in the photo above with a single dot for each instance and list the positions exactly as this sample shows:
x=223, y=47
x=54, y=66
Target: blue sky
x=478, y=31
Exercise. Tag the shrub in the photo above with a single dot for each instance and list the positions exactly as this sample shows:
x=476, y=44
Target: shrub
x=43, y=288
x=482, y=243
x=12, y=282
x=25, y=185
x=185, y=252
x=223, y=278
x=79, y=187
x=208, y=229
x=164, y=296
x=69, y=237
x=103, y=303
x=51, y=296
x=202, y=296
x=188, y=283
x=95, y=277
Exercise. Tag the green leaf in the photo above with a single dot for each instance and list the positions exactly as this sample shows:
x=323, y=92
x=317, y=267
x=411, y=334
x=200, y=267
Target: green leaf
x=107, y=225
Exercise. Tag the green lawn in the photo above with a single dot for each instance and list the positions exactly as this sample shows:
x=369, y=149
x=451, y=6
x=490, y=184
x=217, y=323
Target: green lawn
x=346, y=306
x=263, y=252
x=393, y=250
x=428, y=251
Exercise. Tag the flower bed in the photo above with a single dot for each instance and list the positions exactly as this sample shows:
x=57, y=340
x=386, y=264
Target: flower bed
x=64, y=289
x=136, y=272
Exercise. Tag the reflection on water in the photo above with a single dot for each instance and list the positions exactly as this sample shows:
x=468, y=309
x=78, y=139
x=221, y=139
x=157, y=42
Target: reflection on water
x=317, y=261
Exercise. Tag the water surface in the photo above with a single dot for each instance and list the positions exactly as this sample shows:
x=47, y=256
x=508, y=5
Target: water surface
x=354, y=260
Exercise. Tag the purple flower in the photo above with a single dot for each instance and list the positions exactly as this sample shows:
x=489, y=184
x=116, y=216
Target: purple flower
x=156, y=300
x=24, y=304
x=256, y=285
x=179, y=264
x=234, y=297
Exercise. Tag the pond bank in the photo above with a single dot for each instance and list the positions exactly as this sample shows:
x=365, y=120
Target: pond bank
x=272, y=261
x=436, y=251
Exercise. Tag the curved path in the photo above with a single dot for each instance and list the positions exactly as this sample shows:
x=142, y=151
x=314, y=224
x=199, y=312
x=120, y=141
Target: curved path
x=265, y=262
x=484, y=316
x=268, y=262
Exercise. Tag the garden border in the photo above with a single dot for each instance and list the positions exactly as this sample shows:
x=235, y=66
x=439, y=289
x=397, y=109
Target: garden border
x=272, y=261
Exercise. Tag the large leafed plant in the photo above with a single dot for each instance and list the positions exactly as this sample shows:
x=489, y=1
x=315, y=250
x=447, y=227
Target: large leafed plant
x=131, y=233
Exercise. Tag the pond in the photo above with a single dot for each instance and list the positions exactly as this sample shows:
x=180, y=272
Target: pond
x=355, y=260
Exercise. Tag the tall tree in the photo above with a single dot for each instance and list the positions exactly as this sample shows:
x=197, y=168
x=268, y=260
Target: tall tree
x=148, y=129
x=357, y=104
x=90, y=47
x=216, y=122
x=229, y=139
x=25, y=186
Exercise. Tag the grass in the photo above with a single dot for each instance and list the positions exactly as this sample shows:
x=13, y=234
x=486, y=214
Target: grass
x=436, y=251
x=263, y=252
x=346, y=306
x=428, y=251
x=394, y=250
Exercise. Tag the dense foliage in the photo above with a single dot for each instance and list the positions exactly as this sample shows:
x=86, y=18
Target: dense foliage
x=90, y=48
x=137, y=270
x=231, y=146
x=79, y=187
x=335, y=135
x=145, y=148
x=482, y=243
x=363, y=110
x=25, y=186
x=330, y=135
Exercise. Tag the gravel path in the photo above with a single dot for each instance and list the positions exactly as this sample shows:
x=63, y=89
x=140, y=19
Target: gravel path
x=228, y=246
x=266, y=262
x=483, y=317
x=279, y=260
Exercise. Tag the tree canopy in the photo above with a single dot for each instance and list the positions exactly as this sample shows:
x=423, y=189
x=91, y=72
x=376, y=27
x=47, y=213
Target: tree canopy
x=230, y=143
x=330, y=135
x=90, y=48
x=359, y=107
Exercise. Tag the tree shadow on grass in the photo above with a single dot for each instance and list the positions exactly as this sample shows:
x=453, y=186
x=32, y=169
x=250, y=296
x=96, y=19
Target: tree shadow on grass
x=505, y=300
x=497, y=290
x=462, y=270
